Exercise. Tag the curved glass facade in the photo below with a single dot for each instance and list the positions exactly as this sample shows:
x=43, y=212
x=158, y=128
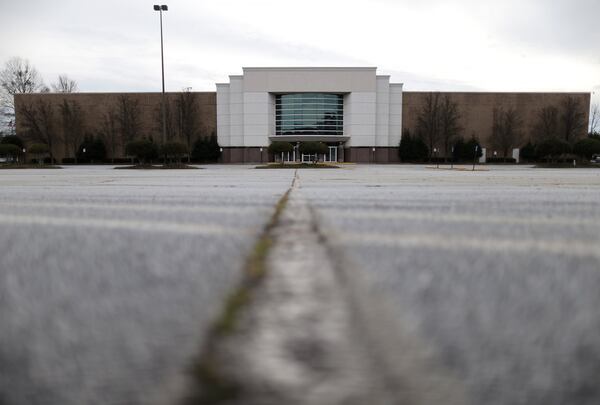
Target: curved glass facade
x=309, y=114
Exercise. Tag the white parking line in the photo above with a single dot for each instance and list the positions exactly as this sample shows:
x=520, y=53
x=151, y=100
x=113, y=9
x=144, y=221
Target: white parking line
x=136, y=207
x=454, y=217
x=577, y=248
x=130, y=225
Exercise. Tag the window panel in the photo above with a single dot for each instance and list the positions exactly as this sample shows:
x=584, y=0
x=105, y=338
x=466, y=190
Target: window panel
x=309, y=114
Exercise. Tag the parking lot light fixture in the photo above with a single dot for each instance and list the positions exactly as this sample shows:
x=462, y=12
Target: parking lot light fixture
x=160, y=9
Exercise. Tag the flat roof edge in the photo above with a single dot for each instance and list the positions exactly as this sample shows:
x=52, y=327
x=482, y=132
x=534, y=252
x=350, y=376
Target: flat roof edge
x=311, y=68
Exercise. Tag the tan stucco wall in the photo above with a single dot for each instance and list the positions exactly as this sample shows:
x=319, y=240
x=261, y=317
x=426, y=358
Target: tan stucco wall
x=96, y=105
x=476, y=110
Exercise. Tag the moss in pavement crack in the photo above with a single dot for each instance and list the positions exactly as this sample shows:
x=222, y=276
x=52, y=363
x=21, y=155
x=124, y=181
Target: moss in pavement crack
x=214, y=386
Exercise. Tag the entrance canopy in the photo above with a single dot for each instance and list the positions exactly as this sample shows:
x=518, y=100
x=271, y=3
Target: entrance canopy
x=306, y=138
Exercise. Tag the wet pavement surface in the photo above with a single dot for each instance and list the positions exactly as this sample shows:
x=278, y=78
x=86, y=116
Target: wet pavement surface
x=109, y=278
x=497, y=272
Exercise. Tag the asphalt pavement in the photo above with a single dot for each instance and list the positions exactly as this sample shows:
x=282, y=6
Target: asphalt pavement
x=495, y=273
x=109, y=279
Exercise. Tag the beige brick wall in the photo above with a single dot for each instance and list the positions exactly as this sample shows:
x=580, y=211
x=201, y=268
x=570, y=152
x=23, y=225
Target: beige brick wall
x=96, y=105
x=476, y=110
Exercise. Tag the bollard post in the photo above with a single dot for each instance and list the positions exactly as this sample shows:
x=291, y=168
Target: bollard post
x=475, y=157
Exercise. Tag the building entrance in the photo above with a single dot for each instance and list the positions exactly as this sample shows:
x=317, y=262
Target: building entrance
x=331, y=155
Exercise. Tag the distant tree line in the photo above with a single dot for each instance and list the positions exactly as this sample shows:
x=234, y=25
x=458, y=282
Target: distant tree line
x=120, y=125
x=439, y=135
x=18, y=76
x=66, y=123
x=146, y=151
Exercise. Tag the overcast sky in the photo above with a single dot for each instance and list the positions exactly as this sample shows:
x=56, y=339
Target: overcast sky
x=499, y=45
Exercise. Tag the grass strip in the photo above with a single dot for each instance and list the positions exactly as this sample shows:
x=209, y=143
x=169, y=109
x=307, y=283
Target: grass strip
x=298, y=166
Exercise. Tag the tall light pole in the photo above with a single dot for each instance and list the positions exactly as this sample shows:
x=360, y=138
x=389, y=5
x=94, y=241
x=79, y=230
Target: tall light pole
x=160, y=9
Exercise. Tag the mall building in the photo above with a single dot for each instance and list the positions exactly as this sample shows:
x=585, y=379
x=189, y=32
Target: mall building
x=355, y=111
x=359, y=114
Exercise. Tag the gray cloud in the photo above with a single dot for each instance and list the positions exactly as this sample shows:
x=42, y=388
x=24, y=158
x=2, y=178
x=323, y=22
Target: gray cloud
x=112, y=45
x=572, y=27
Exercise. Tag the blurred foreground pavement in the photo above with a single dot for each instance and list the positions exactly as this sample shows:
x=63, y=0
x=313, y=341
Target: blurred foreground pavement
x=497, y=273
x=109, y=279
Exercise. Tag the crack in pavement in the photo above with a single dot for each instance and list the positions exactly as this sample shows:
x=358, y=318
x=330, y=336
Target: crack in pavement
x=295, y=343
x=302, y=339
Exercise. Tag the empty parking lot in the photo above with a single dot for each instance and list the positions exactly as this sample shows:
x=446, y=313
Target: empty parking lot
x=486, y=280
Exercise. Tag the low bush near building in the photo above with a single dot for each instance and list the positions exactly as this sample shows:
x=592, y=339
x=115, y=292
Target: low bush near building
x=466, y=151
x=277, y=148
x=39, y=151
x=280, y=147
x=528, y=153
x=173, y=152
x=206, y=149
x=12, y=140
x=585, y=148
x=313, y=148
x=9, y=151
x=143, y=150
x=412, y=149
x=95, y=150
x=552, y=149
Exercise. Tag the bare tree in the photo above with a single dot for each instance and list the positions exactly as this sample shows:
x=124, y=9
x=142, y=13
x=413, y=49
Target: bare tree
x=72, y=125
x=506, y=129
x=572, y=118
x=17, y=77
x=595, y=119
x=108, y=131
x=546, y=125
x=449, y=118
x=64, y=85
x=428, y=121
x=171, y=125
x=39, y=121
x=128, y=118
x=187, y=109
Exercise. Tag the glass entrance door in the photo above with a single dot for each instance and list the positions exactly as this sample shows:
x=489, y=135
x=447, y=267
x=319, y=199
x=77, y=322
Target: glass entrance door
x=331, y=156
x=289, y=156
x=308, y=158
